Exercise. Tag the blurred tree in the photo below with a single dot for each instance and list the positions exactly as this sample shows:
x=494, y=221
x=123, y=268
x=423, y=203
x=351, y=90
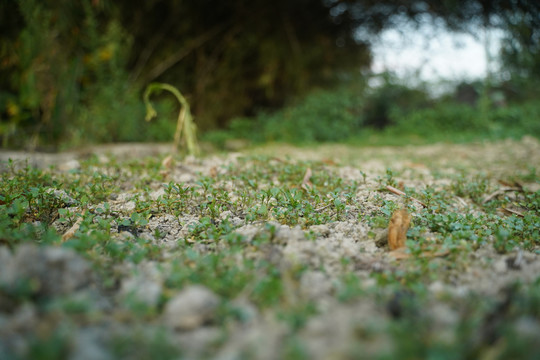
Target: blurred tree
x=83, y=64
x=235, y=57
x=520, y=51
x=58, y=56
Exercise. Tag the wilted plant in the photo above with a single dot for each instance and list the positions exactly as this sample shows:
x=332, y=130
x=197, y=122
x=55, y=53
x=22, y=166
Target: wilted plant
x=185, y=120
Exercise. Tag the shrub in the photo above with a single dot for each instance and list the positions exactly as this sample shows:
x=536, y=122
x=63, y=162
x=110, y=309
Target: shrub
x=440, y=119
x=324, y=115
x=321, y=116
x=383, y=102
x=517, y=120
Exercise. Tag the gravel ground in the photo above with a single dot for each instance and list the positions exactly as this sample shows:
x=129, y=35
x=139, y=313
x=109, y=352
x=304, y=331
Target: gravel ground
x=361, y=326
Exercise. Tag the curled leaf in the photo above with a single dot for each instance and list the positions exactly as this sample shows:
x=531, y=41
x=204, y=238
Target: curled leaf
x=397, y=229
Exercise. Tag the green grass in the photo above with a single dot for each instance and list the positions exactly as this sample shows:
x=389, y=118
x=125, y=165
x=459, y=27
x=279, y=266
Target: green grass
x=262, y=190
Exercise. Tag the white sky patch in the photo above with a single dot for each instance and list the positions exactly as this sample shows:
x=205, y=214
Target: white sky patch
x=432, y=54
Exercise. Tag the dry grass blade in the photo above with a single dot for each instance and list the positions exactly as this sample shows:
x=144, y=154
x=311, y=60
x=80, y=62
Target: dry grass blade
x=397, y=229
x=401, y=193
x=499, y=192
x=512, y=212
x=306, y=183
x=72, y=230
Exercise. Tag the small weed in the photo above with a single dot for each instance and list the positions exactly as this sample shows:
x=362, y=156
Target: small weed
x=185, y=121
x=225, y=232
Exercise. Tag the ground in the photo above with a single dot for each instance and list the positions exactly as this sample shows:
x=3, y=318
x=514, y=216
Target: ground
x=273, y=252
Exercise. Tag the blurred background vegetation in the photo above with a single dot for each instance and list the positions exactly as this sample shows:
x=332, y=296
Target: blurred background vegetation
x=73, y=72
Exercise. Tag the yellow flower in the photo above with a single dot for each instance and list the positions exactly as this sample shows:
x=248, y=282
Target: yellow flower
x=12, y=109
x=106, y=53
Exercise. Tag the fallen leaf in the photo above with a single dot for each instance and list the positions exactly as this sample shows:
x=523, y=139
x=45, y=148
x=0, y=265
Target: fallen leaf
x=397, y=229
x=306, y=184
x=167, y=163
x=164, y=173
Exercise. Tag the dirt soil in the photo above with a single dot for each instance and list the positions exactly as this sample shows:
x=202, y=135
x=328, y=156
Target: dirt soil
x=336, y=329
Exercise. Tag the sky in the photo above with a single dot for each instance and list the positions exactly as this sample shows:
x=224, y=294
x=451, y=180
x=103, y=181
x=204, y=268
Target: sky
x=436, y=54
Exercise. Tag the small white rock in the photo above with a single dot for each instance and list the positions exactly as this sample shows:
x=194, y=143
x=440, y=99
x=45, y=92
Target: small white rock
x=190, y=308
x=145, y=285
x=500, y=266
x=315, y=285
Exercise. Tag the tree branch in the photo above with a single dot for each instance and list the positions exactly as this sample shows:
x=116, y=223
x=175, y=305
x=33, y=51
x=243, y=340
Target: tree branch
x=177, y=56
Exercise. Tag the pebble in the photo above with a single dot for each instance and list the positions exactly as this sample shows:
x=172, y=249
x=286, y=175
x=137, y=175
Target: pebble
x=314, y=285
x=49, y=271
x=500, y=266
x=146, y=285
x=191, y=308
x=285, y=234
x=62, y=196
x=88, y=344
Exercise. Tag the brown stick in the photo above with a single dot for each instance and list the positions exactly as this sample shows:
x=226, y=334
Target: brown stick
x=72, y=230
x=512, y=212
x=177, y=56
x=499, y=192
x=401, y=193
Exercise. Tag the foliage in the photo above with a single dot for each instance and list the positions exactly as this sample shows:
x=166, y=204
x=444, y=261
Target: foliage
x=390, y=114
x=65, y=81
x=72, y=73
x=321, y=116
x=389, y=98
x=520, y=51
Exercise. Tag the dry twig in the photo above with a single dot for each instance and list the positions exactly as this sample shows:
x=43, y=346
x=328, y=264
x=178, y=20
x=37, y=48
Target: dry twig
x=513, y=212
x=499, y=192
x=306, y=183
x=401, y=193
x=73, y=229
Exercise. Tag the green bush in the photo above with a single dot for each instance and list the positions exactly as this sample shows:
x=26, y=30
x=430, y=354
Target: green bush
x=447, y=120
x=442, y=118
x=321, y=116
x=390, y=98
x=516, y=120
x=324, y=115
x=390, y=114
